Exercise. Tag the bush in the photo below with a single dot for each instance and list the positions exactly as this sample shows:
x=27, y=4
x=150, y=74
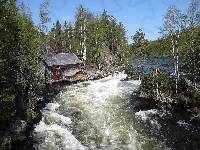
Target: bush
x=7, y=109
x=195, y=98
x=30, y=115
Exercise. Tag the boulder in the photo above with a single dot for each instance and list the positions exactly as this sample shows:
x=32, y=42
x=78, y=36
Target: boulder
x=5, y=142
x=18, y=127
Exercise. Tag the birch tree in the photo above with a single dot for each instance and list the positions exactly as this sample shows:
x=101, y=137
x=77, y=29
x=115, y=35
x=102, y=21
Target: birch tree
x=173, y=24
x=82, y=17
x=43, y=25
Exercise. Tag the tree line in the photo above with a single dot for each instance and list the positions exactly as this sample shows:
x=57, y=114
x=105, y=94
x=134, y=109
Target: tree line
x=94, y=39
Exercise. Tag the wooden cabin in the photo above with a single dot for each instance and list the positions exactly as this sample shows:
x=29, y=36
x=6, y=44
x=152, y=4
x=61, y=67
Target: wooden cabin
x=62, y=67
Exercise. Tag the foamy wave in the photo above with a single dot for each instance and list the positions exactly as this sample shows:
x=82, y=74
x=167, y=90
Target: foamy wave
x=149, y=116
x=144, y=115
x=54, y=136
x=184, y=124
x=52, y=106
x=53, y=117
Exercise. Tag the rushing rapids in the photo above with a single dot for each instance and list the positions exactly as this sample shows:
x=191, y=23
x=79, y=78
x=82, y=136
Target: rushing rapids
x=100, y=115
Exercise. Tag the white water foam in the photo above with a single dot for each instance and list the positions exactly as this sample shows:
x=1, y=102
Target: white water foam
x=184, y=124
x=149, y=115
x=52, y=106
x=52, y=132
x=54, y=137
x=105, y=125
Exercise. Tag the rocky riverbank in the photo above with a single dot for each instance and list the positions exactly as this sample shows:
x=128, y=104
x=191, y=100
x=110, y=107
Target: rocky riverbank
x=17, y=133
x=162, y=88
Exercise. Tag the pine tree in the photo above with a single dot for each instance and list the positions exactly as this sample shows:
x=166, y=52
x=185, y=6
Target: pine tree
x=139, y=43
x=68, y=37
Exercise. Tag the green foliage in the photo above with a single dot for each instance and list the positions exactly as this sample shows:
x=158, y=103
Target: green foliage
x=56, y=38
x=98, y=38
x=30, y=115
x=165, y=82
x=157, y=79
x=158, y=48
x=139, y=43
x=147, y=88
x=7, y=100
x=195, y=98
x=19, y=64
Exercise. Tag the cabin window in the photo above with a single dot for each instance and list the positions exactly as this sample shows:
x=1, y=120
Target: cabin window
x=57, y=67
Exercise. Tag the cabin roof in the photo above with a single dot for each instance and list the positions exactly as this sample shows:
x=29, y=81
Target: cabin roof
x=61, y=59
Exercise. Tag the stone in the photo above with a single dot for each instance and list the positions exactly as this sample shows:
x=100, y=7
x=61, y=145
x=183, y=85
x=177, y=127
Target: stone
x=19, y=126
x=16, y=138
x=5, y=142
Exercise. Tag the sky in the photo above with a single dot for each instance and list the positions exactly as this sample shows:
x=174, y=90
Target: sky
x=134, y=14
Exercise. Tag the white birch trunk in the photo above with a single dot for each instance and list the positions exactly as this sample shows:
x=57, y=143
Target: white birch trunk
x=194, y=65
x=157, y=91
x=84, y=44
x=69, y=41
x=175, y=62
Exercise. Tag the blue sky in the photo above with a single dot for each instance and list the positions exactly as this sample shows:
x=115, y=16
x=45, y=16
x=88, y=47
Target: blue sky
x=134, y=14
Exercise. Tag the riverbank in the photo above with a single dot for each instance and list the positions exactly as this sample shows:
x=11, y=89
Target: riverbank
x=180, y=96
x=17, y=132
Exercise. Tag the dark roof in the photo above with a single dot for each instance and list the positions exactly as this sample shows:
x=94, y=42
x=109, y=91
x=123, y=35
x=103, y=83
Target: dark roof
x=61, y=59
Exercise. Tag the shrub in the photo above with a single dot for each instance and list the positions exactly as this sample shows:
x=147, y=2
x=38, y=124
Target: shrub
x=30, y=115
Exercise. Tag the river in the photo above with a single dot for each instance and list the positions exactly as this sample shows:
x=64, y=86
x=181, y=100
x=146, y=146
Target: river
x=105, y=114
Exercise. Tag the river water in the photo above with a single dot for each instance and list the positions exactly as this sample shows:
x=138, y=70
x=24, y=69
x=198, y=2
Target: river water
x=106, y=114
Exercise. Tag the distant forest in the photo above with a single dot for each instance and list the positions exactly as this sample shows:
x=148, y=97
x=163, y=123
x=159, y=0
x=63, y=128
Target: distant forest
x=96, y=39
